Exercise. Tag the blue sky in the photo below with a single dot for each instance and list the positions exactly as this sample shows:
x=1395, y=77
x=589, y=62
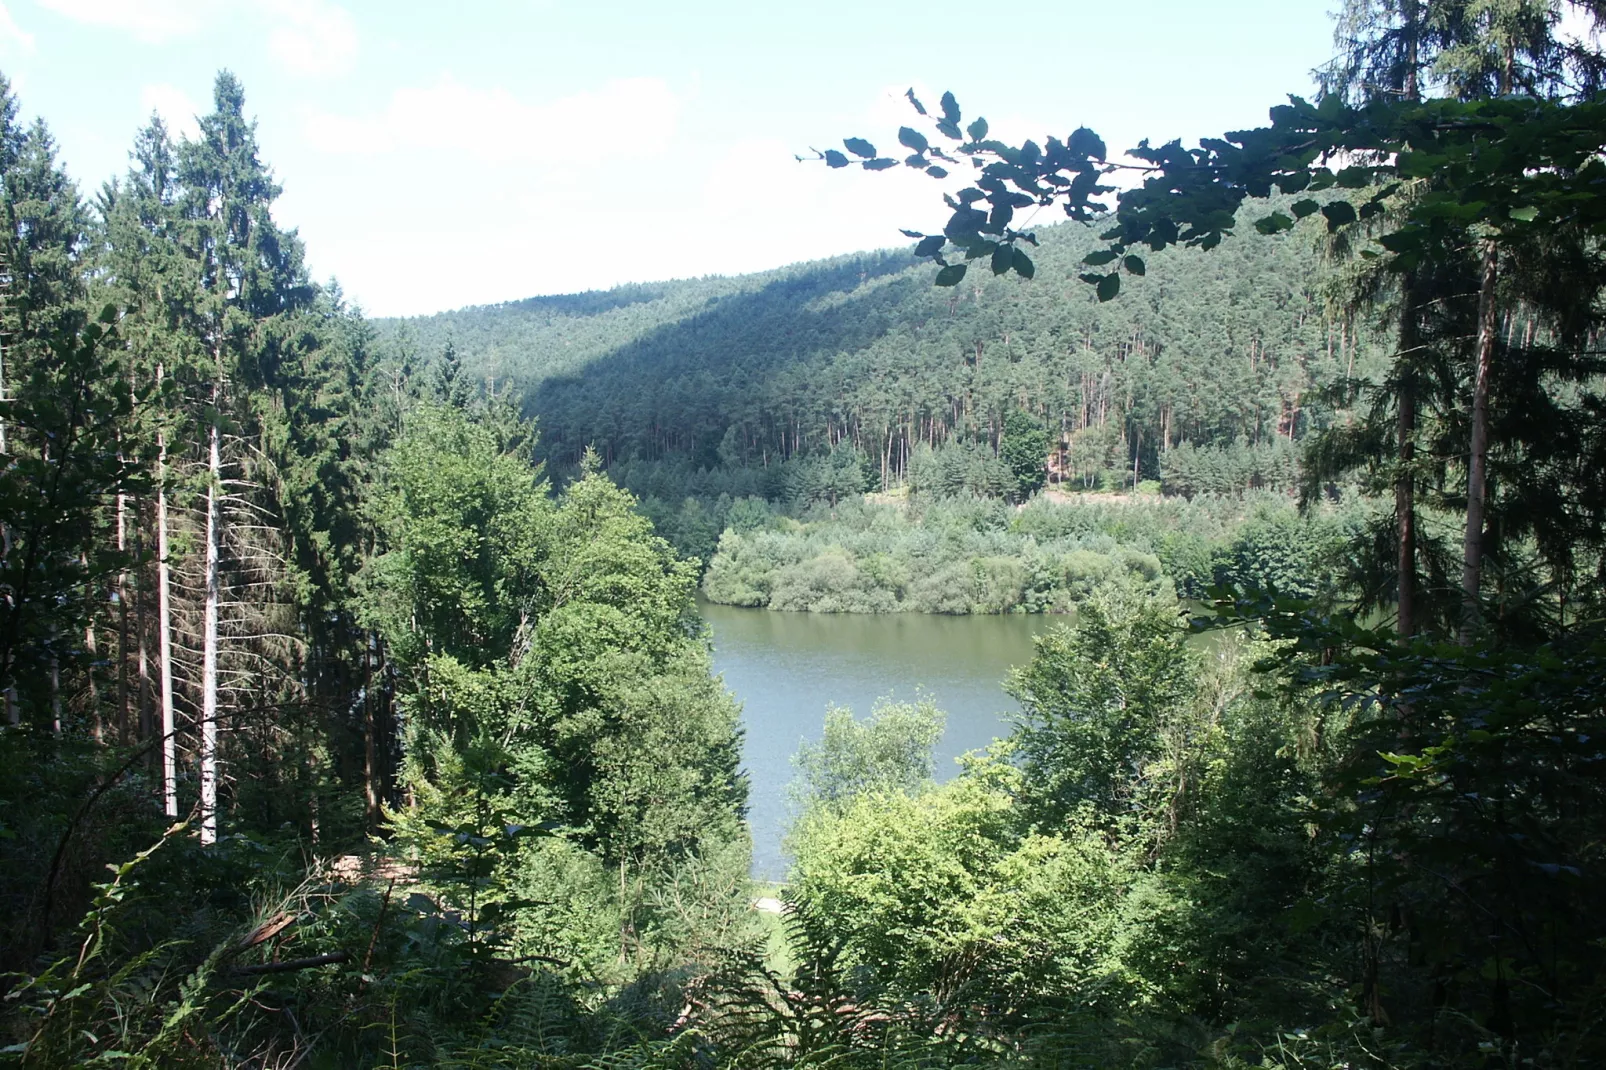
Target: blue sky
x=435, y=155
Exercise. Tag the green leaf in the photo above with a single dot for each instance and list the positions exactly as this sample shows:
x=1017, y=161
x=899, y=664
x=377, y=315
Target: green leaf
x=951, y=275
x=1109, y=287
x=859, y=147
x=1525, y=214
x=977, y=130
x=1338, y=213
x=1303, y=208
x=1100, y=257
x=909, y=137
x=1003, y=259
x=1354, y=177
x=950, y=108
x=1274, y=223
x=1023, y=265
x=834, y=158
x=1135, y=265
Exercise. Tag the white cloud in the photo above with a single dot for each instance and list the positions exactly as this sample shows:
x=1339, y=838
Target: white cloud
x=633, y=115
x=175, y=107
x=307, y=36
x=12, y=34
x=312, y=37
x=152, y=21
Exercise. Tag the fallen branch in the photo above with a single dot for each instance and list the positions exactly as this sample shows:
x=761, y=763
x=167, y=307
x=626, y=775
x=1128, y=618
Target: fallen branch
x=293, y=964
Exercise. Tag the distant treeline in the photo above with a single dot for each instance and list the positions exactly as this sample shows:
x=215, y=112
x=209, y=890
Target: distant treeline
x=1203, y=377
x=975, y=555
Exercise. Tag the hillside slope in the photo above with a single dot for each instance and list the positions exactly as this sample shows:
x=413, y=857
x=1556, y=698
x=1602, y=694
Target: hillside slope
x=1211, y=349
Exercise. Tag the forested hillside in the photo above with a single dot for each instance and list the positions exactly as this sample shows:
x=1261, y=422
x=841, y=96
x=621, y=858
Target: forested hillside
x=737, y=376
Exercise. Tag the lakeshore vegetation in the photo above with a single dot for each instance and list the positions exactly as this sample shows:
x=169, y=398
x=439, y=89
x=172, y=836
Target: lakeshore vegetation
x=357, y=711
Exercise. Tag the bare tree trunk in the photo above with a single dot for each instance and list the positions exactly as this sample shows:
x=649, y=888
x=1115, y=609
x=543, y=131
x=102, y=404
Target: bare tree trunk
x=97, y=729
x=209, y=644
x=1472, y=543
x=1405, y=475
x=1405, y=511
x=55, y=694
x=13, y=713
x=122, y=615
x=142, y=630
x=370, y=750
x=164, y=624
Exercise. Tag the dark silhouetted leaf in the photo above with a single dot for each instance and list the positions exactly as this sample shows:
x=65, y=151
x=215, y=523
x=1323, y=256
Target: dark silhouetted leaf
x=1274, y=223
x=1338, y=214
x=859, y=147
x=951, y=275
x=1135, y=265
x=1109, y=287
x=977, y=130
x=909, y=137
x=1023, y=264
x=910, y=93
x=834, y=158
x=1085, y=142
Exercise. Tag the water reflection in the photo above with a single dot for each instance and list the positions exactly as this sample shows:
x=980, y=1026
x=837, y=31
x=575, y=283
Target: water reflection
x=787, y=667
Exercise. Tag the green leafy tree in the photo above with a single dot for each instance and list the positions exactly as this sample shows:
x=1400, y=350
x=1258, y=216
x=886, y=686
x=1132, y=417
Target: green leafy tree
x=1024, y=449
x=1096, y=700
x=889, y=751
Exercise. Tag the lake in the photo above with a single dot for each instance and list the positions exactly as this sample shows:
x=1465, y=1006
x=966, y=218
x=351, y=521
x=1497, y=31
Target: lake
x=787, y=667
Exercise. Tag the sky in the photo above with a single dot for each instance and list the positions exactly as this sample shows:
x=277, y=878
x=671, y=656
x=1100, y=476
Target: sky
x=435, y=155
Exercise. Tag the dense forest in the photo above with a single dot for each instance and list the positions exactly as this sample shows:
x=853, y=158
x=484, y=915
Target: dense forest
x=357, y=714
x=756, y=381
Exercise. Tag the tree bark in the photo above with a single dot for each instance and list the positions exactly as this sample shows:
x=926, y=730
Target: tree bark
x=122, y=617
x=13, y=713
x=1405, y=475
x=209, y=643
x=164, y=624
x=370, y=749
x=1477, y=483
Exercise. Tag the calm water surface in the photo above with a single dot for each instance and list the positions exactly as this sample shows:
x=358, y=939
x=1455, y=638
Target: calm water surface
x=787, y=667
